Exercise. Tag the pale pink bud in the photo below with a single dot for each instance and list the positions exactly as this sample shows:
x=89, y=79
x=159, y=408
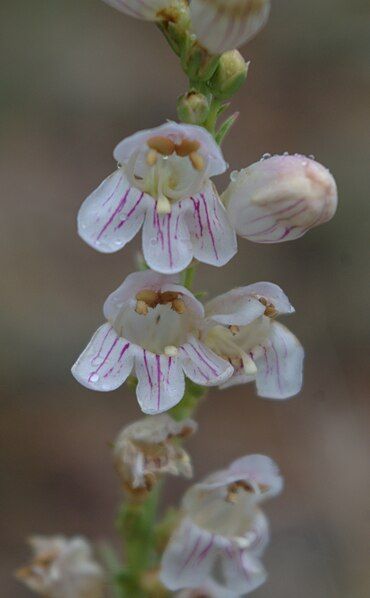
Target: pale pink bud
x=280, y=198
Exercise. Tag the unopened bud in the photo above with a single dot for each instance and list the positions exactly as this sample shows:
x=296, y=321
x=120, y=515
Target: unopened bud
x=280, y=198
x=193, y=108
x=230, y=75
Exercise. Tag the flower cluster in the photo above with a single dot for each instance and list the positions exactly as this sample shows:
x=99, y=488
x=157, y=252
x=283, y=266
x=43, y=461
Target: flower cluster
x=159, y=335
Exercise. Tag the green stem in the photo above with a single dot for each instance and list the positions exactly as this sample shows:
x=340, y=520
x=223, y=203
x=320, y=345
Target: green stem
x=211, y=122
x=136, y=524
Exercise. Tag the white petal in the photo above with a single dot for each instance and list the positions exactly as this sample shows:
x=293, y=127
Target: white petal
x=112, y=215
x=188, y=558
x=161, y=382
x=236, y=307
x=239, y=377
x=203, y=366
x=259, y=469
x=106, y=362
x=209, y=149
x=280, y=368
x=141, y=9
x=280, y=199
x=222, y=25
x=213, y=237
x=138, y=281
x=166, y=240
x=243, y=572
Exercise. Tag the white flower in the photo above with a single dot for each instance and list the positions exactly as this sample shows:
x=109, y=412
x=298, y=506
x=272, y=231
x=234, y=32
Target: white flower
x=149, y=448
x=242, y=329
x=153, y=328
x=163, y=184
x=223, y=533
x=62, y=568
x=149, y=10
x=280, y=198
x=222, y=25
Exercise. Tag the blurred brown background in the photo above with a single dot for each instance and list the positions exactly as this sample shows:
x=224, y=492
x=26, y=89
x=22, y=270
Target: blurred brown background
x=76, y=77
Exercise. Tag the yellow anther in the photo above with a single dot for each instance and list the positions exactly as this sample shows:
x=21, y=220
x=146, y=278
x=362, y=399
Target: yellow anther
x=141, y=308
x=179, y=306
x=270, y=310
x=197, y=161
x=152, y=157
x=234, y=329
x=187, y=147
x=162, y=145
x=168, y=296
x=151, y=298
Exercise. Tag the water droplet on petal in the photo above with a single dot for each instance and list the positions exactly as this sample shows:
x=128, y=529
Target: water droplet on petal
x=94, y=378
x=312, y=157
x=234, y=176
x=266, y=156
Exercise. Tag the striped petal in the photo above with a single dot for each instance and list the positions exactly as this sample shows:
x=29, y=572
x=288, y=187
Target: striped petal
x=188, y=558
x=280, y=198
x=280, y=366
x=213, y=237
x=161, y=382
x=106, y=362
x=243, y=572
x=203, y=366
x=223, y=25
x=112, y=215
x=167, y=246
x=141, y=9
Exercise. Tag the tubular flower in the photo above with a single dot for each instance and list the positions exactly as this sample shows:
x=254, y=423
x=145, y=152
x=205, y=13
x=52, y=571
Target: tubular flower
x=223, y=532
x=153, y=328
x=222, y=25
x=148, y=449
x=242, y=328
x=62, y=568
x=149, y=10
x=280, y=198
x=163, y=184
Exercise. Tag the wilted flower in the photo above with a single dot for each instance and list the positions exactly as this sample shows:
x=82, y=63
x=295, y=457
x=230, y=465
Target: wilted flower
x=62, y=568
x=153, y=329
x=222, y=25
x=223, y=532
x=245, y=332
x=163, y=183
x=280, y=198
x=148, y=449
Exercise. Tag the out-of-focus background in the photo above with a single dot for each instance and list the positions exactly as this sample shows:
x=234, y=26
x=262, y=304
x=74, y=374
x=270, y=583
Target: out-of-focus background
x=76, y=77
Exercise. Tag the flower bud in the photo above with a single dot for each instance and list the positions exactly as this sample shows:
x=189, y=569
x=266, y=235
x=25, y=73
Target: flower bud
x=280, y=198
x=193, y=108
x=231, y=73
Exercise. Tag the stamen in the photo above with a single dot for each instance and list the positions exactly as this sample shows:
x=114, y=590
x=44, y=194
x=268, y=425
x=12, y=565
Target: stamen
x=187, y=147
x=163, y=205
x=142, y=308
x=179, y=306
x=168, y=297
x=197, y=161
x=234, y=329
x=151, y=298
x=270, y=310
x=162, y=145
x=171, y=351
x=233, y=490
x=250, y=367
x=152, y=157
